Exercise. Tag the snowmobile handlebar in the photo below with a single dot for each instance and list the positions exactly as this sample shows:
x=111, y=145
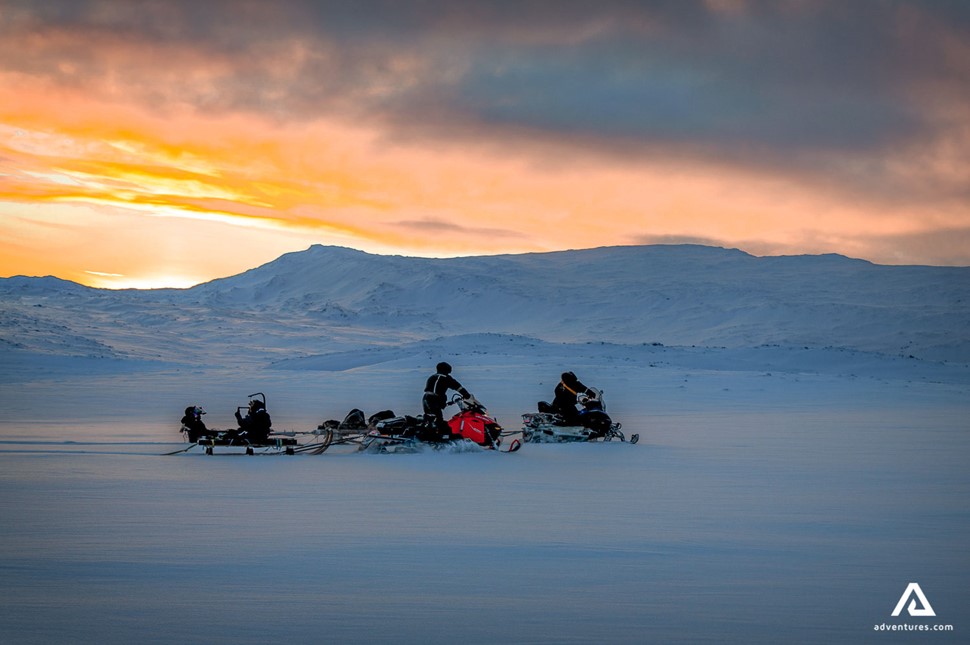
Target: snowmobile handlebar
x=466, y=403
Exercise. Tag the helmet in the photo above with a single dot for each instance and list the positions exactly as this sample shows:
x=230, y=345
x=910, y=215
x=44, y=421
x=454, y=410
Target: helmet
x=569, y=378
x=443, y=368
x=199, y=410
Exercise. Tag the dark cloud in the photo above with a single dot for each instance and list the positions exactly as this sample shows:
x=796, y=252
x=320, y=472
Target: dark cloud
x=830, y=89
x=945, y=247
x=752, y=246
x=435, y=226
x=678, y=239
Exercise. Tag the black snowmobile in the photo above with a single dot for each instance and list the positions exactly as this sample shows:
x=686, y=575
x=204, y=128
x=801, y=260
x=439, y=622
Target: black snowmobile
x=594, y=424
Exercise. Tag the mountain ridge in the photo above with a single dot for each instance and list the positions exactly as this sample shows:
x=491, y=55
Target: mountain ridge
x=329, y=298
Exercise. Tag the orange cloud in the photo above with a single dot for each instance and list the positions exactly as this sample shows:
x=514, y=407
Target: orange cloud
x=79, y=173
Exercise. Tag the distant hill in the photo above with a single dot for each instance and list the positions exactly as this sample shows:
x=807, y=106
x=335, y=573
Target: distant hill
x=331, y=299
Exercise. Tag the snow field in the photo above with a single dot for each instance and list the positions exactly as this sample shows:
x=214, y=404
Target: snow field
x=756, y=508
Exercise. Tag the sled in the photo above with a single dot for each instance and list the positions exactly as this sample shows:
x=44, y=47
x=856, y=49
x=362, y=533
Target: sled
x=231, y=442
x=251, y=441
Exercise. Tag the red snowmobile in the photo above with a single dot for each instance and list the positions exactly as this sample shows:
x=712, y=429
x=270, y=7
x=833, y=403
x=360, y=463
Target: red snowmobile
x=474, y=423
x=386, y=432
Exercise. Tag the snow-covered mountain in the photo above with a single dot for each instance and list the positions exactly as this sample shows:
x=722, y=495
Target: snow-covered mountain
x=328, y=300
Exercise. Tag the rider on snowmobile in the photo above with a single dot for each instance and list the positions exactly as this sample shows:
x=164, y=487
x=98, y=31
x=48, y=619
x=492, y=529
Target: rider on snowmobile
x=566, y=396
x=435, y=397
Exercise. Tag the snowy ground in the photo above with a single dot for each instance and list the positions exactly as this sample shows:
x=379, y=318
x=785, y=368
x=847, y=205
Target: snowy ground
x=780, y=504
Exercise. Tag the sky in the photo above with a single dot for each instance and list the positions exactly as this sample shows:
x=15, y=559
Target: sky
x=165, y=143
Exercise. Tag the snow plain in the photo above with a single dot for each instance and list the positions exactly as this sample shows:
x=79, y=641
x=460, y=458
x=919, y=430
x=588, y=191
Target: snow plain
x=805, y=426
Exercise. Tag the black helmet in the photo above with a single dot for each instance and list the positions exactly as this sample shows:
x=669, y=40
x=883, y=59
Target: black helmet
x=443, y=368
x=569, y=378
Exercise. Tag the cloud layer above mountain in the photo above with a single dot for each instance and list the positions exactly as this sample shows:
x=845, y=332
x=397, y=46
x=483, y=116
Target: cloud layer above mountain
x=442, y=128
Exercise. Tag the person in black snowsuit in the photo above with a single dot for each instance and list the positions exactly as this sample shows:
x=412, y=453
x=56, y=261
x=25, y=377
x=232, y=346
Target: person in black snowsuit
x=566, y=396
x=435, y=399
x=192, y=423
x=255, y=426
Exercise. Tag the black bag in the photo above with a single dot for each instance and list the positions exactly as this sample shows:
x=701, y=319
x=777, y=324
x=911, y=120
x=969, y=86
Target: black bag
x=380, y=416
x=355, y=420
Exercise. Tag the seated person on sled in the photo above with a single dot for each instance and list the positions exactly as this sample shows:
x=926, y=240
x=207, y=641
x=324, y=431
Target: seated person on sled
x=192, y=423
x=255, y=426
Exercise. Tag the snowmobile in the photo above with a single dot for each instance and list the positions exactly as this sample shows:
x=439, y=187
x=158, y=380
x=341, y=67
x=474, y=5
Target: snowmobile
x=546, y=426
x=471, y=428
x=473, y=423
x=289, y=443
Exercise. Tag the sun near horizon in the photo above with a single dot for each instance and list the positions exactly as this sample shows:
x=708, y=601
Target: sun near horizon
x=165, y=147
x=133, y=209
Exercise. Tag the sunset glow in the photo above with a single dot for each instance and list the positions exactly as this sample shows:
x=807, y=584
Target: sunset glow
x=136, y=153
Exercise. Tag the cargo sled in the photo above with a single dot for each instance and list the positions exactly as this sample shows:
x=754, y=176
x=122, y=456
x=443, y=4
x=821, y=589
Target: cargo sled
x=253, y=436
